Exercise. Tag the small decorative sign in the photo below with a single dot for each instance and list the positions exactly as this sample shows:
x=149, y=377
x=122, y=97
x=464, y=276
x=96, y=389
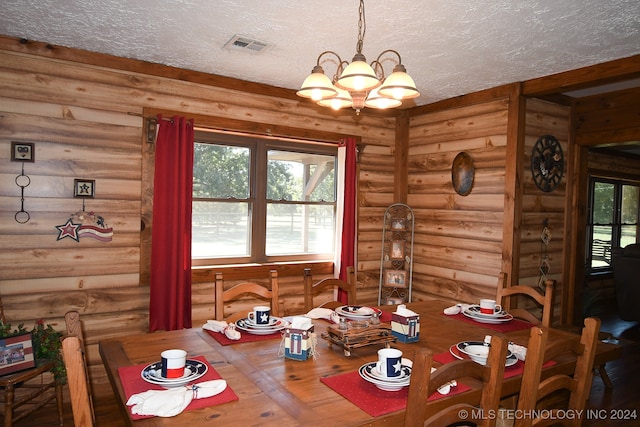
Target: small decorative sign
x=84, y=188
x=23, y=152
x=16, y=354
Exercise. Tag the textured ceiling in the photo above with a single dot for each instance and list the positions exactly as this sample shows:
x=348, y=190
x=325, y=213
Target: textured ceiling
x=450, y=47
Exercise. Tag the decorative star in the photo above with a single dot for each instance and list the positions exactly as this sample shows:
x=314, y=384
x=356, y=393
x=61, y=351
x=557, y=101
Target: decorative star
x=68, y=230
x=397, y=366
x=264, y=318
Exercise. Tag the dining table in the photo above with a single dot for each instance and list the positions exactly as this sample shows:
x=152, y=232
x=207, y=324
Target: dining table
x=266, y=388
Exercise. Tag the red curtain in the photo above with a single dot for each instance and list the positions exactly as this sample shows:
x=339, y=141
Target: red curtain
x=347, y=253
x=170, y=276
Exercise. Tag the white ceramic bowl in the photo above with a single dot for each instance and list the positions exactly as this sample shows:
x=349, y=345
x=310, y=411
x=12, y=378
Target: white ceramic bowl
x=477, y=351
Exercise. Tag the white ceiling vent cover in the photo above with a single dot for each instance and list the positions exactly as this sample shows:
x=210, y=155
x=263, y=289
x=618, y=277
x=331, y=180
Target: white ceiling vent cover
x=246, y=44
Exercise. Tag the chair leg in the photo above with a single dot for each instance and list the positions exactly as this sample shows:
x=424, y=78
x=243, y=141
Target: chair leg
x=602, y=371
x=60, y=402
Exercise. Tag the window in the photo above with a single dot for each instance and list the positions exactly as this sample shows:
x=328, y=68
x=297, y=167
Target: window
x=613, y=219
x=262, y=200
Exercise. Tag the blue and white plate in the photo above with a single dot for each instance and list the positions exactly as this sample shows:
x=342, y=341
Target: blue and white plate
x=245, y=326
x=193, y=370
x=484, y=318
x=366, y=371
x=358, y=312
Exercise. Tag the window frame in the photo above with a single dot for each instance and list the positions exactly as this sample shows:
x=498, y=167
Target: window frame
x=259, y=146
x=616, y=224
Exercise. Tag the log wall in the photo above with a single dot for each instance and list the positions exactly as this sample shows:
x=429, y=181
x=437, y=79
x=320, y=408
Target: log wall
x=539, y=207
x=85, y=113
x=87, y=122
x=459, y=239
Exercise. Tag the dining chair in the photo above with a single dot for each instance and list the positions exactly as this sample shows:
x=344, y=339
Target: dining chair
x=30, y=389
x=311, y=289
x=545, y=301
x=252, y=288
x=77, y=379
x=74, y=329
x=423, y=384
x=578, y=384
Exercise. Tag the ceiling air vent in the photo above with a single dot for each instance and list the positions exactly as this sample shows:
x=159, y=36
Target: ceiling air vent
x=246, y=44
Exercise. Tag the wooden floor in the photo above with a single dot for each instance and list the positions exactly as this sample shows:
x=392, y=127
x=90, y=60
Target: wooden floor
x=605, y=404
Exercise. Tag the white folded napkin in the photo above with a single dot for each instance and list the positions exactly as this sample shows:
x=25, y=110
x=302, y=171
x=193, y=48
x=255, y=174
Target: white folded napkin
x=403, y=311
x=458, y=308
x=301, y=322
x=519, y=351
x=446, y=387
x=223, y=327
x=320, y=313
x=171, y=402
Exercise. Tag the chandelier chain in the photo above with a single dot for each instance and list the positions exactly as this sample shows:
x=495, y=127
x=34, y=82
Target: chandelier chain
x=362, y=27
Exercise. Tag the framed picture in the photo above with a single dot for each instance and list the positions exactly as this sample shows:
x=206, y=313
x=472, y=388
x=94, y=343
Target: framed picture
x=23, y=152
x=397, y=224
x=84, y=188
x=395, y=278
x=397, y=249
x=16, y=354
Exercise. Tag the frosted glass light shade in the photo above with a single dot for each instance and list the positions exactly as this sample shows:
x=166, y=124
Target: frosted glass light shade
x=375, y=100
x=341, y=100
x=358, y=77
x=317, y=86
x=399, y=85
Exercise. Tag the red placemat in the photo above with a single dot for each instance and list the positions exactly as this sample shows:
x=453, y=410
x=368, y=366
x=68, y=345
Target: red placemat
x=370, y=398
x=510, y=326
x=509, y=371
x=133, y=383
x=244, y=337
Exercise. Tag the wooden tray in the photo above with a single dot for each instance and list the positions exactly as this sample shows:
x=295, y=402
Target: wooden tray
x=352, y=337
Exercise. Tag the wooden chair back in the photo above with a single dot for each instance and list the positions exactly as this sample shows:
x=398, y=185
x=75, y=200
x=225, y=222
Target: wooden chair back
x=246, y=288
x=545, y=301
x=311, y=289
x=74, y=362
x=424, y=383
x=74, y=329
x=578, y=384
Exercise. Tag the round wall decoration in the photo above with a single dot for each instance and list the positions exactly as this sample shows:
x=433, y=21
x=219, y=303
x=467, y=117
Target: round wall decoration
x=547, y=163
x=462, y=172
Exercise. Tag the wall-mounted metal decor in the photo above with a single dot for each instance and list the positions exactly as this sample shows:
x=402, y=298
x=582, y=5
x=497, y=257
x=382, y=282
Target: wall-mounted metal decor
x=462, y=173
x=22, y=152
x=547, y=163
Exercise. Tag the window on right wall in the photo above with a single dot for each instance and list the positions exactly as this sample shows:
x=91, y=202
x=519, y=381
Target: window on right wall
x=613, y=219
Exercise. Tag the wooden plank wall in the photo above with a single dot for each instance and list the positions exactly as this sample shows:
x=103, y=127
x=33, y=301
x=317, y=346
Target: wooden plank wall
x=86, y=122
x=543, y=118
x=458, y=239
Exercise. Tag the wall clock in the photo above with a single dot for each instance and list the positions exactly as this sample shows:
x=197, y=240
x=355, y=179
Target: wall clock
x=547, y=163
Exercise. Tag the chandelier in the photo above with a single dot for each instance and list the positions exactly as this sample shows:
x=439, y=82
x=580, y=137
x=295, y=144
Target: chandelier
x=359, y=84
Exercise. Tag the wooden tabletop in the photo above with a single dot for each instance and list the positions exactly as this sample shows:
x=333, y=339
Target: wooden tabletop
x=273, y=390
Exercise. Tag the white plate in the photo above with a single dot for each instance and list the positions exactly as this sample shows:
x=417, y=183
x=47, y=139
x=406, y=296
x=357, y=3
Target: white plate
x=194, y=369
x=272, y=322
x=488, y=320
x=457, y=352
x=246, y=327
x=365, y=372
x=405, y=373
x=475, y=310
x=358, y=312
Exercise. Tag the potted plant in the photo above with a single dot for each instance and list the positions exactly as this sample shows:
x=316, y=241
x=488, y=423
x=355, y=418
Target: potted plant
x=47, y=344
